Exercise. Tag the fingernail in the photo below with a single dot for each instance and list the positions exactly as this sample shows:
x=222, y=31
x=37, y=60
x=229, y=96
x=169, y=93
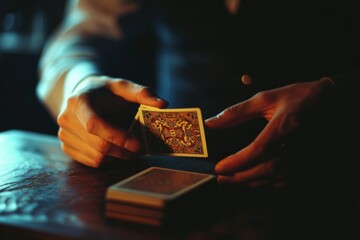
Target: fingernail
x=151, y=98
x=209, y=119
x=214, y=118
x=160, y=100
x=157, y=99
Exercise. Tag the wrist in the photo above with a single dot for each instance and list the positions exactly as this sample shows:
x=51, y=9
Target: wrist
x=77, y=75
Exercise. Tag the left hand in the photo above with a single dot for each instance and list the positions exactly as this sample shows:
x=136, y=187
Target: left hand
x=292, y=111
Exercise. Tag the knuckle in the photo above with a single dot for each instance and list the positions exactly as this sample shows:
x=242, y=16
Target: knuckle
x=62, y=119
x=61, y=134
x=71, y=101
x=118, y=139
x=263, y=96
x=231, y=111
x=66, y=150
x=111, y=138
x=90, y=124
x=121, y=83
x=115, y=138
x=103, y=146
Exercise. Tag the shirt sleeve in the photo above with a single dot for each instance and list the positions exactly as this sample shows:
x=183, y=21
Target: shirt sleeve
x=69, y=56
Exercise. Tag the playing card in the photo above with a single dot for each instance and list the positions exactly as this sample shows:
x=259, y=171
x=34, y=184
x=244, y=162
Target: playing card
x=175, y=132
x=161, y=196
x=128, y=209
x=136, y=128
x=134, y=218
x=135, y=122
x=155, y=186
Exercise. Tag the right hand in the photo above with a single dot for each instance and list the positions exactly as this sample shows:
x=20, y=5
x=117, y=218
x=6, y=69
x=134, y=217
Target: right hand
x=86, y=131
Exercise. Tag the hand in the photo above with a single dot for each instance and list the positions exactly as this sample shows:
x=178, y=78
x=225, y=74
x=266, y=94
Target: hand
x=88, y=123
x=292, y=112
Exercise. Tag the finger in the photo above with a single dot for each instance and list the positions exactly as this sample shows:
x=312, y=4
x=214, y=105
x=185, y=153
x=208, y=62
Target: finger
x=252, y=184
x=235, y=162
x=263, y=170
x=136, y=93
x=71, y=124
x=96, y=126
x=259, y=183
x=278, y=131
x=97, y=155
x=269, y=140
x=78, y=156
x=236, y=114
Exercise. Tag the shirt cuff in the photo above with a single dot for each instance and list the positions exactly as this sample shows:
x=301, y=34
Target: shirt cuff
x=78, y=73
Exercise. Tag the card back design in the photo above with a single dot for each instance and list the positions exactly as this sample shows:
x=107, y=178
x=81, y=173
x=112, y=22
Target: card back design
x=163, y=181
x=157, y=196
x=177, y=132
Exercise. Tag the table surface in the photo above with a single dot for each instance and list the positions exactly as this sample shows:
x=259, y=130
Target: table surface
x=46, y=195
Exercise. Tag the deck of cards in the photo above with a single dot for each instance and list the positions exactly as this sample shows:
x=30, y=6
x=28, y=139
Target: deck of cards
x=173, y=132
x=156, y=196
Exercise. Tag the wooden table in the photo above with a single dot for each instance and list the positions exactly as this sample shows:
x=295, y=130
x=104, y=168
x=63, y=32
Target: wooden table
x=45, y=195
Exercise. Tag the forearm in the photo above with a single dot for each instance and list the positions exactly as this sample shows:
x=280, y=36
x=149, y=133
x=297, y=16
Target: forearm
x=59, y=75
x=70, y=56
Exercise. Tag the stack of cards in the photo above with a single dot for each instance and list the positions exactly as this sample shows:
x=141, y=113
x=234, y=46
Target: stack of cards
x=157, y=195
x=174, y=132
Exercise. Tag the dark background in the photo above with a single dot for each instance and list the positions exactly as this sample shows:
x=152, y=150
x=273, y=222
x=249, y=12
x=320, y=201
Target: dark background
x=24, y=27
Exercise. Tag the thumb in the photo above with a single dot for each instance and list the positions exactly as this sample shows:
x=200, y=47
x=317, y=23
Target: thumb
x=136, y=93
